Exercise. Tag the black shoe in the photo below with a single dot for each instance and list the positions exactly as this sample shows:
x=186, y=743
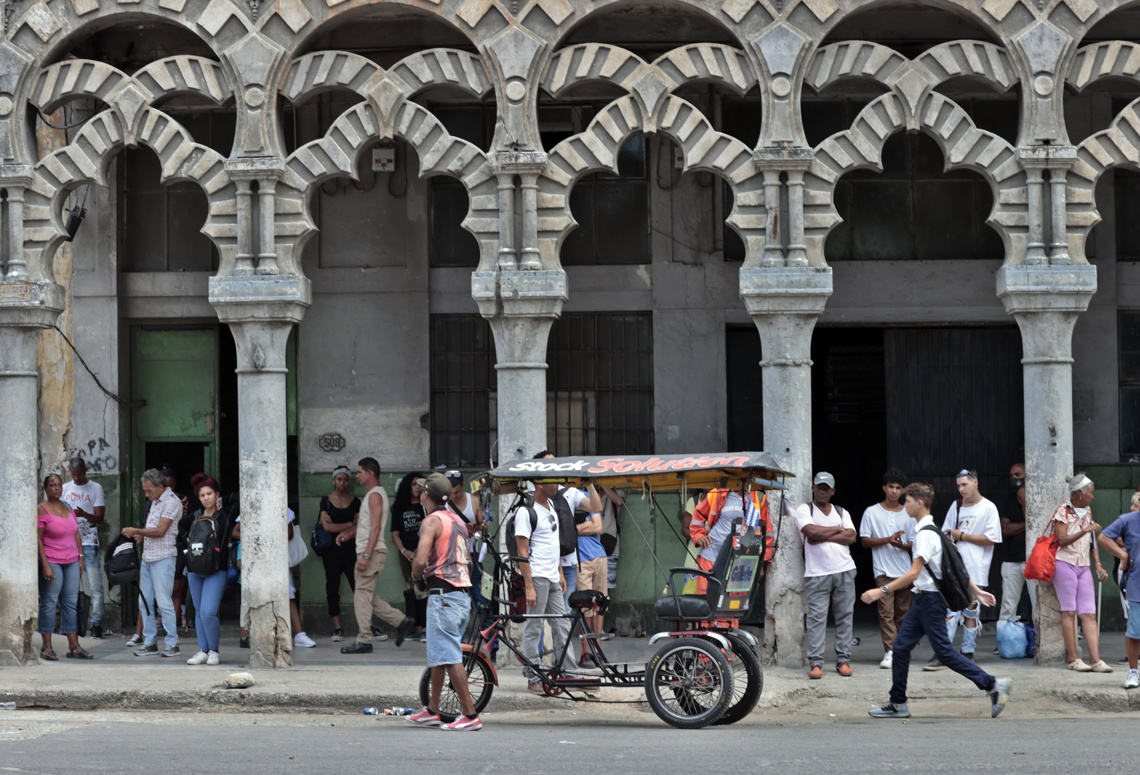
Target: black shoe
x=933, y=664
x=968, y=655
x=357, y=648
x=97, y=631
x=243, y=643
x=376, y=631
x=405, y=627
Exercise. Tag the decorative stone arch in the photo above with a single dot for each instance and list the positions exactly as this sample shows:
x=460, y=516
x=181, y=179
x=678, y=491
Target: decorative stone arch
x=596, y=148
x=85, y=160
x=873, y=61
x=1117, y=146
x=336, y=154
x=963, y=145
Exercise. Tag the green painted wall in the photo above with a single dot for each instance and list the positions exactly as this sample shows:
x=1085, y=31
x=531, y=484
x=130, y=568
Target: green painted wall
x=639, y=581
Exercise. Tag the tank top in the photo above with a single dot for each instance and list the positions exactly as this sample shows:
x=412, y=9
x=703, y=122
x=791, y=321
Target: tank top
x=59, y=537
x=449, y=558
x=468, y=515
x=364, y=522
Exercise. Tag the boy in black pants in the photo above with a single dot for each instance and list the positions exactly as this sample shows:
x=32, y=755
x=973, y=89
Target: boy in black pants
x=927, y=615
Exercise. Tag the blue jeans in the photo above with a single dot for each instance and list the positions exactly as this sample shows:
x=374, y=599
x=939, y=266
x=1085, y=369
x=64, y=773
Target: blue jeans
x=927, y=616
x=206, y=592
x=64, y=591
x=93, y=562
x=447, y=615
x=156, y=582
x=970, y=619
x=570, y=572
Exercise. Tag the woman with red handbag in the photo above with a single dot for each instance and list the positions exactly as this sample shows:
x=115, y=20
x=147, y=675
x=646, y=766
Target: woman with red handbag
x=1072, y=578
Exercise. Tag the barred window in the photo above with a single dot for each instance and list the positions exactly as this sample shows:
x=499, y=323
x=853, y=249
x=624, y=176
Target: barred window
x=463, y=385
x=599, y=398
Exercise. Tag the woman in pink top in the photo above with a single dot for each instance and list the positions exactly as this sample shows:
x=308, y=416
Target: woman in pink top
x=61, y=558
x=1073, y=579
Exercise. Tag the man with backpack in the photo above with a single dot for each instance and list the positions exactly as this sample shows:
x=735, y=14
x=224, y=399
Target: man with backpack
x=936, y=570
x=538, y=541
x=973, y=524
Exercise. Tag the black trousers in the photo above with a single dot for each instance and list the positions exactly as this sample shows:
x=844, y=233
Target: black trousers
x=340, y=559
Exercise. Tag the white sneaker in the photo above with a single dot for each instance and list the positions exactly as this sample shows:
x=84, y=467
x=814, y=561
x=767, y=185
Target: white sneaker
x=1133, y=679
x=888, y=661
x=213, y=658
x=301, y=640
x=198, y=659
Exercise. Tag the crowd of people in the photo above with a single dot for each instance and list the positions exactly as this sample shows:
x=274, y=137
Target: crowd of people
x=358, y=531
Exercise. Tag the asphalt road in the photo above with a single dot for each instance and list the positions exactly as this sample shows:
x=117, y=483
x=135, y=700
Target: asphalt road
x=559, y=741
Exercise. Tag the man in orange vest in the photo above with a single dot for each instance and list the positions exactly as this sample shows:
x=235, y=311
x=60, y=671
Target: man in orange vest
x=712, y=524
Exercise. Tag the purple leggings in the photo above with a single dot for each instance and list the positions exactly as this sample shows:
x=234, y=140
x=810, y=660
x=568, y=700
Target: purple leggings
x=1074, y=586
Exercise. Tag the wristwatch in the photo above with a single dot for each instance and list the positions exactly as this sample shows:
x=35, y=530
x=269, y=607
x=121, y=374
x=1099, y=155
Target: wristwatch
x=886, y=590
x=366, y=556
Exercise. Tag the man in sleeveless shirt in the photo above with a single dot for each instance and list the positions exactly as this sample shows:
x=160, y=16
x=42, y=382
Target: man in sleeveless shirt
x=371, y=551
x=441, y=564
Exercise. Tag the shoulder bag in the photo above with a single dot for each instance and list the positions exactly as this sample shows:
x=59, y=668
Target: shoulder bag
x=1042, y=561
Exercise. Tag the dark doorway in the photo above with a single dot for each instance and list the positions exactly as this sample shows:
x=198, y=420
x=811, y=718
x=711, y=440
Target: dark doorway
x=745, y=389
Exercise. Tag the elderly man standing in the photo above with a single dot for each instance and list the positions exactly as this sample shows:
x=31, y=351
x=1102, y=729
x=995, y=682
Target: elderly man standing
x=829, y=574
x=156, y=578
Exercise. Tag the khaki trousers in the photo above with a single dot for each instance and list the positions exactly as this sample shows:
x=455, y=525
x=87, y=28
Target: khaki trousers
x=367, y=603
x=892, y=611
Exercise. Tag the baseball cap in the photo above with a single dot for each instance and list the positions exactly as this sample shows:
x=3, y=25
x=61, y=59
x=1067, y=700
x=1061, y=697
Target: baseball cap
x=438, y=487
x=824, y=478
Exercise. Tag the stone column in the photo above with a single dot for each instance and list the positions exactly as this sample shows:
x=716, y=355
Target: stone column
x=26, y=308
x=17, y=269
x=773, y=249
x=261, y=311
x=529, y=255
x=244, y=227
x=521, y=307
x=785, y=303
x=1062, y=158
x=1034, y=185
x=508, y=258
x=1046, y=301
x=797, y=251
x=267, y=250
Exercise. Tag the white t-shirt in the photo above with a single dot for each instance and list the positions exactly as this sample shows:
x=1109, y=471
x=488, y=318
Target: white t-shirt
x=829, y=557
x=880, y=523
x=573, y=496
x=979, y=519
x=86, y=497
x=543, y=542
x=928, y=546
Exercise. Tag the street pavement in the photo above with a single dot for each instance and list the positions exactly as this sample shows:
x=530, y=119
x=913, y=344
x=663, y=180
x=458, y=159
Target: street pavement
x=542, y=743
x=324, y=680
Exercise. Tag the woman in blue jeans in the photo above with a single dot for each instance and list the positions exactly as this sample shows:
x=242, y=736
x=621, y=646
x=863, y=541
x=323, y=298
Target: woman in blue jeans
x=61, y=563
x=207, y=591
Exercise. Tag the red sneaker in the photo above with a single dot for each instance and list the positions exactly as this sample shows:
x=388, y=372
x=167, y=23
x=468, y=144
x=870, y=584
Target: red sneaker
x=463, y=724
x=425, y=718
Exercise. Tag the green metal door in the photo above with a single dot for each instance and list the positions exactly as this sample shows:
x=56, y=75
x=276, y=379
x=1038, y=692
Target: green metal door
x=175, y=372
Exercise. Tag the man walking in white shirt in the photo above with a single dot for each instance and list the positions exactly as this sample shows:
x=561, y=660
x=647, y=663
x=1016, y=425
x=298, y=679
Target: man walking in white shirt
x=888, y=531
x=829, y=574
x=973, y=524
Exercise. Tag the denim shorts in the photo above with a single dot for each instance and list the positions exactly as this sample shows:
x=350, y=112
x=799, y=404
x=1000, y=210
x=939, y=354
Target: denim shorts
x=1133, y=620
x=447, y=615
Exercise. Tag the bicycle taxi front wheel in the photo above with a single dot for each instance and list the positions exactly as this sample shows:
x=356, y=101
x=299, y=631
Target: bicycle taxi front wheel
x=688, y=683
x=480, y=682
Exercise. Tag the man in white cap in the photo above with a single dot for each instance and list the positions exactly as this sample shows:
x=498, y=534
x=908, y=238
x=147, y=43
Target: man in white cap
x=829, y=574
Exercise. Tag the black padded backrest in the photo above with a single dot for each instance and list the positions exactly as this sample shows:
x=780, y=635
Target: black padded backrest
x=720, y=567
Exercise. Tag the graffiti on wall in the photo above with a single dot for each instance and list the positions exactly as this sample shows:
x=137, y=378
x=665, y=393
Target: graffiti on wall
x=96, y=456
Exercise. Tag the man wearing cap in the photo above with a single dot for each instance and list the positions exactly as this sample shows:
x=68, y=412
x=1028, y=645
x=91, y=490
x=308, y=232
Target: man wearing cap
x=86, y=499
x=829, y=574
x=441, y=565
x=973, y=524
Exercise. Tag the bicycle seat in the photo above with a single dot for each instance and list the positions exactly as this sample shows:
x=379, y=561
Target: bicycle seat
x=589, y=600
x=683, y=607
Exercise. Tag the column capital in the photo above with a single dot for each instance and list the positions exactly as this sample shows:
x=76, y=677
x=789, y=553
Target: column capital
x=255, y=168
x=1025, y=289
x=239, y=298
x=785, y=290
x=30, y=303
x=1046, y=156
x=519, y=293
x=518, y=162
x=781, y=158
x=16, y=175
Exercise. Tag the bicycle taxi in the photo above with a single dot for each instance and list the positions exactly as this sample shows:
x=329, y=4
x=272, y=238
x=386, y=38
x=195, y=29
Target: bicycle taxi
x=705, y=669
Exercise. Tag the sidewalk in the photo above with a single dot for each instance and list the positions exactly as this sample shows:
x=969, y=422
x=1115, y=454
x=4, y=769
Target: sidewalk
x=325, y=680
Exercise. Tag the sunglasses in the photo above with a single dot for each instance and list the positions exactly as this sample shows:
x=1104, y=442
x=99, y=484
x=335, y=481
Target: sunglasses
x=967, y=472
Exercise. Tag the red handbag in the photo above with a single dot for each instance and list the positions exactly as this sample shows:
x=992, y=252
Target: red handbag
x=1042, y=560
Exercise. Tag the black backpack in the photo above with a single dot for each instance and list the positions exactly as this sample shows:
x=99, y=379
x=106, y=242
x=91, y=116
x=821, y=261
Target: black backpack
x=567, y=529
x=203, y=547
x=955, y=582
x=121, y=561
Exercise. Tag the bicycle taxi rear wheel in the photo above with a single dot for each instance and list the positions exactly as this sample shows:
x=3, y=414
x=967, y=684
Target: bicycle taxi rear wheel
x=688, y=683
x=748, y=680
x=480, y=682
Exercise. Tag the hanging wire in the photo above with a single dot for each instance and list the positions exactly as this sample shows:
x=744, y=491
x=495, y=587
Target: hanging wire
x=108, y=393
x=65, y=127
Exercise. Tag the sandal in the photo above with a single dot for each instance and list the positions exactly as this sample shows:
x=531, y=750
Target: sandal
x=48, y=655
x=78, y=653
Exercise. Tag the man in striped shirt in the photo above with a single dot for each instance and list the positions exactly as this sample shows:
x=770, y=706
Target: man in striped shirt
x=156, y=575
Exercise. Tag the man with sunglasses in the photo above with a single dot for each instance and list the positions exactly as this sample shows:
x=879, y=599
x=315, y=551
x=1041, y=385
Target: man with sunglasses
x=973, y=524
